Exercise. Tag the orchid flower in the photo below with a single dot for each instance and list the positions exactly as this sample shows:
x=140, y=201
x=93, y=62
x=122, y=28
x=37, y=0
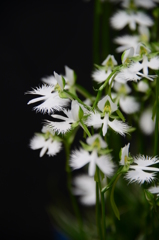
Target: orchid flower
x=153, y=63
x=139, y=169
x=47, y=141
x=97, y=119
x=101, y=75
x=122, y=18
x=50, y=96
x=80, y=158
x=139, y=3
x=71, y=120
x=146, y=124
x=154, y=190
x=127, y=103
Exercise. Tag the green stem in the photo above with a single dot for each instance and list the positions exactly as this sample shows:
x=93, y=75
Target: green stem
x=156, y=150
x=72, y=197
x=103, y=205
x=98, y=216
x=73, y=97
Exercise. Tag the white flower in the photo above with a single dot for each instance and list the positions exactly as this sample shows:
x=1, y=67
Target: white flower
x=122, y=18
x=48, y=145
x=92, y=140
x=139, y=171
x=101, y=75
x=139, y=3
x=142, y=86
x=50, y=98
x=80, y=158
x=153, y=63
x=147, y=125
x=72, y=116
x=154, y=190
x=69, y=76
x=126, y=42
x=132, y=73
x=84, y=186
x=50, y=80
x=107, y=107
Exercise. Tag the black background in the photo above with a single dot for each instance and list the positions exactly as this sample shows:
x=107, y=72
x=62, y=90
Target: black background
x=36, y=38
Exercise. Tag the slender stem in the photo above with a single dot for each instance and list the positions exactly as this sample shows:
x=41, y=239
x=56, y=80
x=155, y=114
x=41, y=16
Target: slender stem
x=98, y=216
x=103, y=206
x=72, y=197
x=156, y=151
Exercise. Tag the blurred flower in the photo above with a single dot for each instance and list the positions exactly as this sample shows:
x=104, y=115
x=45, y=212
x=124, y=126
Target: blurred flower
x=80, y=158
x=101, y=75
x=127, y=103
x=48, y=142
x=122, y=18
x=154, y=190
x=147, y=125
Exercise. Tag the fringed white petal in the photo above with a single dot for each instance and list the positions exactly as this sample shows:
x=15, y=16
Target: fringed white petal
x=119, y=127
x=139, y=176
x=59, y=127
x=126, y=75
x=79, y=158
x=51, y=104
x=44, y=90
x=54, y=148
x=129, y=104
x=50, y=80
x=94, y=120
x=105, y=164
x=119, y=20
x=143, y=161
x=124, y=152
x=99, y=75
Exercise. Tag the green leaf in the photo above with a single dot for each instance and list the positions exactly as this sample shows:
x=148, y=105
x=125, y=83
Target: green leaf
x=85, y=128
x=80, y=113
x=131, y=129
x=113, y=204
x=120, y=115
x=150, y=197
x=105, y=151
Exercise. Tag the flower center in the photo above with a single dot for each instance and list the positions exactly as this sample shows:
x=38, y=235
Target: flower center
x=96, y=143
x=58, y=88
x=107, y=108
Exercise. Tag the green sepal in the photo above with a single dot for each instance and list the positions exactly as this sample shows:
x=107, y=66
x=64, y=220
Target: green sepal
x=136, y=59
x=114, y=117
x=150, y=198
x=85, y=128
x=120, y=154
x=75, y=77
x=62, y=95
x=152, y=55
x=120, y=115
x=63, y=82
x=156, y=12
x=86, y=146
x=80, y=113
x=131, y=129
x=104, y=151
